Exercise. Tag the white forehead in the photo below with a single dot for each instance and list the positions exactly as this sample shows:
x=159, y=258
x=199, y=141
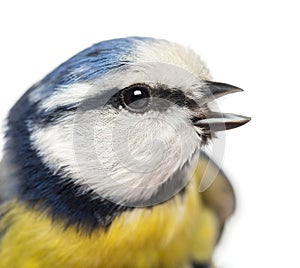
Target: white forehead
x=173, y=54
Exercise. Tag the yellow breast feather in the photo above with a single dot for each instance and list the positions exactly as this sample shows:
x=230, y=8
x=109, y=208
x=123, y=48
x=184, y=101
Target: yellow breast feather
x=168, y=235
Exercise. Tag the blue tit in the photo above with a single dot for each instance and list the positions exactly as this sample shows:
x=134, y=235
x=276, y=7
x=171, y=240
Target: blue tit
x=102, y=162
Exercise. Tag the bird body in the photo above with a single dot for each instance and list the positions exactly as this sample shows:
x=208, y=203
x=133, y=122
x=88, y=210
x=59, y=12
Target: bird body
x=101, y=164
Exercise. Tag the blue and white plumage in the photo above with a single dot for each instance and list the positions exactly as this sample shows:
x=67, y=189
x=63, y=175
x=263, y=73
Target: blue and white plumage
x=76, y=148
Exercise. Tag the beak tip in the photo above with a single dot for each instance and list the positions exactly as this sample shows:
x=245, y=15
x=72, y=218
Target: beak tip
x=247, y=119
x=216, y=90
x=240, y=120
x=244, y=121
x=237, y=89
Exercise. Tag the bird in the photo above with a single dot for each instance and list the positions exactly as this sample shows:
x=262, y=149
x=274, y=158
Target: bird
x=104, y=156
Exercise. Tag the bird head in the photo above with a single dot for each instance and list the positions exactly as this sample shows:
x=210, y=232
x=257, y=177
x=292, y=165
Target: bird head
x=123, y=120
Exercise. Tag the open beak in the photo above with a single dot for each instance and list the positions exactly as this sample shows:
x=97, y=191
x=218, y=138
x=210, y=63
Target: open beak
x=215, y=121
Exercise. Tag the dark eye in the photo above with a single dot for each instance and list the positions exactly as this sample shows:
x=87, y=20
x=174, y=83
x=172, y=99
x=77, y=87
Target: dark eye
x=136, y=97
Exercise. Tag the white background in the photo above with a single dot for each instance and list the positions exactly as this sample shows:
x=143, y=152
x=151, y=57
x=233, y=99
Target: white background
x=254, y=45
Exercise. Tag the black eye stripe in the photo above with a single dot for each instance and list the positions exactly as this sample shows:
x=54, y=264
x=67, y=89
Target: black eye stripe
x=172, y=95
x=175, y=96
x=45, y=118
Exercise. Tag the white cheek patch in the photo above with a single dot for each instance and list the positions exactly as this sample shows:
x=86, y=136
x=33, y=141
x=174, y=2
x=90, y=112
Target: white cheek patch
x=55, y=147
x=126, y=158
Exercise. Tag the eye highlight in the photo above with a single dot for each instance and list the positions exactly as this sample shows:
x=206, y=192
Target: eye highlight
x=136, y=98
